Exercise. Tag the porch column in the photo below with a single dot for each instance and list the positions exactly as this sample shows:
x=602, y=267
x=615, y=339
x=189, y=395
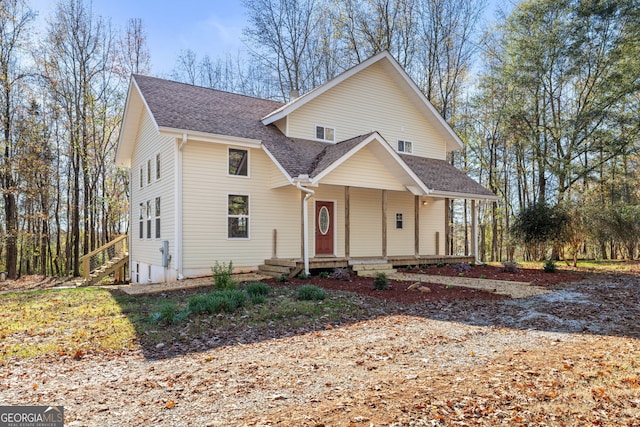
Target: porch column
x=347, y=224
x=384, y=223
x=416, y=226
x=474, y=230
x=447, y=227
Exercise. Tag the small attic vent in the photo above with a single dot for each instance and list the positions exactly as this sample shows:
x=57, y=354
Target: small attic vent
x=325, y=133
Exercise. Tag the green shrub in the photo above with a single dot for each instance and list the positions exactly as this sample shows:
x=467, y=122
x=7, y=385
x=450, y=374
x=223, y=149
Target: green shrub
x=257, y=299
x=169, y=314
x=257, y=288
x=380, y=282
x=311, y=293
x=282, y=278
x=510, y=267
x=228, y=300
x=440, y=264
x=324, y=274
x=303, y=276
x=222, y=275
x=549, y=266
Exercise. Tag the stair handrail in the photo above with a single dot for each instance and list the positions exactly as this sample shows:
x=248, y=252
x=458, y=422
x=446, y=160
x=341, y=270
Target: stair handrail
x=85, y=260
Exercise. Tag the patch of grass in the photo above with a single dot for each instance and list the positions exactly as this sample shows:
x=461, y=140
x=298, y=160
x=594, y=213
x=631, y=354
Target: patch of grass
x=92, y=320
x=311, y=293
x=62, y=322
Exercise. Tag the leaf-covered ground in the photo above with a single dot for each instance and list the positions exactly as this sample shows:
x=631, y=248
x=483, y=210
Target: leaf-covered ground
x=570, y=357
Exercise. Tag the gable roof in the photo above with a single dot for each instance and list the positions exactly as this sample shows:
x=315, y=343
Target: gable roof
x=178, y=108
x=452, y=140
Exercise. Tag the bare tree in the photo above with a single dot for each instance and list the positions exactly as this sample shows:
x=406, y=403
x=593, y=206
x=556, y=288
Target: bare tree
x=133, y=52
x=15, y=19
x=281, y=31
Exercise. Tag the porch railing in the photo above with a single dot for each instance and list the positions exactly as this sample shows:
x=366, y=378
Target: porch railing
x=101, y=258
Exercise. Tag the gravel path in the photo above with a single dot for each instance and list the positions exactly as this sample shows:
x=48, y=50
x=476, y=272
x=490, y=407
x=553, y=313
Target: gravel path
x=520, y=361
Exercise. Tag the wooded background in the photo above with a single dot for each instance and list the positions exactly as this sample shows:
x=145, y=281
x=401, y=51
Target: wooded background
x=546, y=99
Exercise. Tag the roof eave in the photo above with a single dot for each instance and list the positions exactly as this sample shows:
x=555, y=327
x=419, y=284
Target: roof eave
x=457, y=195
x=126, y=141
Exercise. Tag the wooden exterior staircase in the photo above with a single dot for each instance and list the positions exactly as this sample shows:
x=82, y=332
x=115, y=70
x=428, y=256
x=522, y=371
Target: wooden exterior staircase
x=111, y=258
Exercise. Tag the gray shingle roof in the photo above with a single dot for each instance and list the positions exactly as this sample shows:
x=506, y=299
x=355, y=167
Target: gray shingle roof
x=192, y=108
x=440, y=175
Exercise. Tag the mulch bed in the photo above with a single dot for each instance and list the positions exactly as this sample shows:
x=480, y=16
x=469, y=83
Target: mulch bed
x=398, y=292
x=530, y=275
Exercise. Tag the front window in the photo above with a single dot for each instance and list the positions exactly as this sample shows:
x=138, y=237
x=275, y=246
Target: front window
x=157, y=166
x=238, y=162
x=238, y=217
x=141, y=176
x=405, y=146
x=148, y=171
x=399, y=221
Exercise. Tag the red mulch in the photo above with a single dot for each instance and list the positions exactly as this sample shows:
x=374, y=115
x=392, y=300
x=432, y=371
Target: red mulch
x=398, y=292
x=530, y=275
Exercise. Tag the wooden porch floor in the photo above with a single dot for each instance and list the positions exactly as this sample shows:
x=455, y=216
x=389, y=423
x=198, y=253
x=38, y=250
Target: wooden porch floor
x=291, y=266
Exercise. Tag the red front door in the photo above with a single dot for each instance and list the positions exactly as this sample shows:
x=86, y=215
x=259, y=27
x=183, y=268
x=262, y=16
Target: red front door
x=324, y=228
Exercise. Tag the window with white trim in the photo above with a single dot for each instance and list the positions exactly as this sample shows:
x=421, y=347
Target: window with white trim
x=141, y=176
x=238, y=217
x=157, y=166
x=149, y=171
x=157, y=217
x=325, y=133
x=148, y=219
x=405, y=146
x=141, y=221
x=238, y=162
x=399, y=221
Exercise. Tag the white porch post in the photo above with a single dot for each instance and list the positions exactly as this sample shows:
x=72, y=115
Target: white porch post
x=474, y=231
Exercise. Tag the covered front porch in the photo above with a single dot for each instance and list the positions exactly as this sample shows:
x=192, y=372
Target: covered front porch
x=277, y=267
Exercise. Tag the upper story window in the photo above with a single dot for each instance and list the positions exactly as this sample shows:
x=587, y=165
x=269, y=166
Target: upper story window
x=238, y=162
x=141, y=176
x=405, y=146
x=399, y=221
x=325, y=133
x=157, y=166
x=149, y=171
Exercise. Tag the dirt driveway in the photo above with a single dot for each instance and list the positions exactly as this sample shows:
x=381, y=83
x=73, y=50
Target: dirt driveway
x=568, y=357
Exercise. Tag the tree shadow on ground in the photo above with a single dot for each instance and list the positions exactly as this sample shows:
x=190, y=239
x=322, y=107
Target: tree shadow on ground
x=602, y=304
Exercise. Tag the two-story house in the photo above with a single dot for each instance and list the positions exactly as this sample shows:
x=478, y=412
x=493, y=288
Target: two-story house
x=355, y=169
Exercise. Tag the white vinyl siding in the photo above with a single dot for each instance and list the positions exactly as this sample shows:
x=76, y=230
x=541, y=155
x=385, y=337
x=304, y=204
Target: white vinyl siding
x=368, y=101
x=149, y=145
x=364, y=169
x=205, y=210
x=366, y=222
x=400, y=241
x=431, y=221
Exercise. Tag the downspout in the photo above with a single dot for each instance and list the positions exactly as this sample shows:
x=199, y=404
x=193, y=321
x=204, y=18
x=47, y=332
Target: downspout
x=178, y=207
x=305, y=223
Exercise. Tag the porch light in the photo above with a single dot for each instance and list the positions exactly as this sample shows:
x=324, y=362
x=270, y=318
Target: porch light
x=425, y=203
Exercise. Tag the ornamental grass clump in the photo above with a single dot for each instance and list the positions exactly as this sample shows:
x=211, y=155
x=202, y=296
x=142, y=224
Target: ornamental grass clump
x=311, y=293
